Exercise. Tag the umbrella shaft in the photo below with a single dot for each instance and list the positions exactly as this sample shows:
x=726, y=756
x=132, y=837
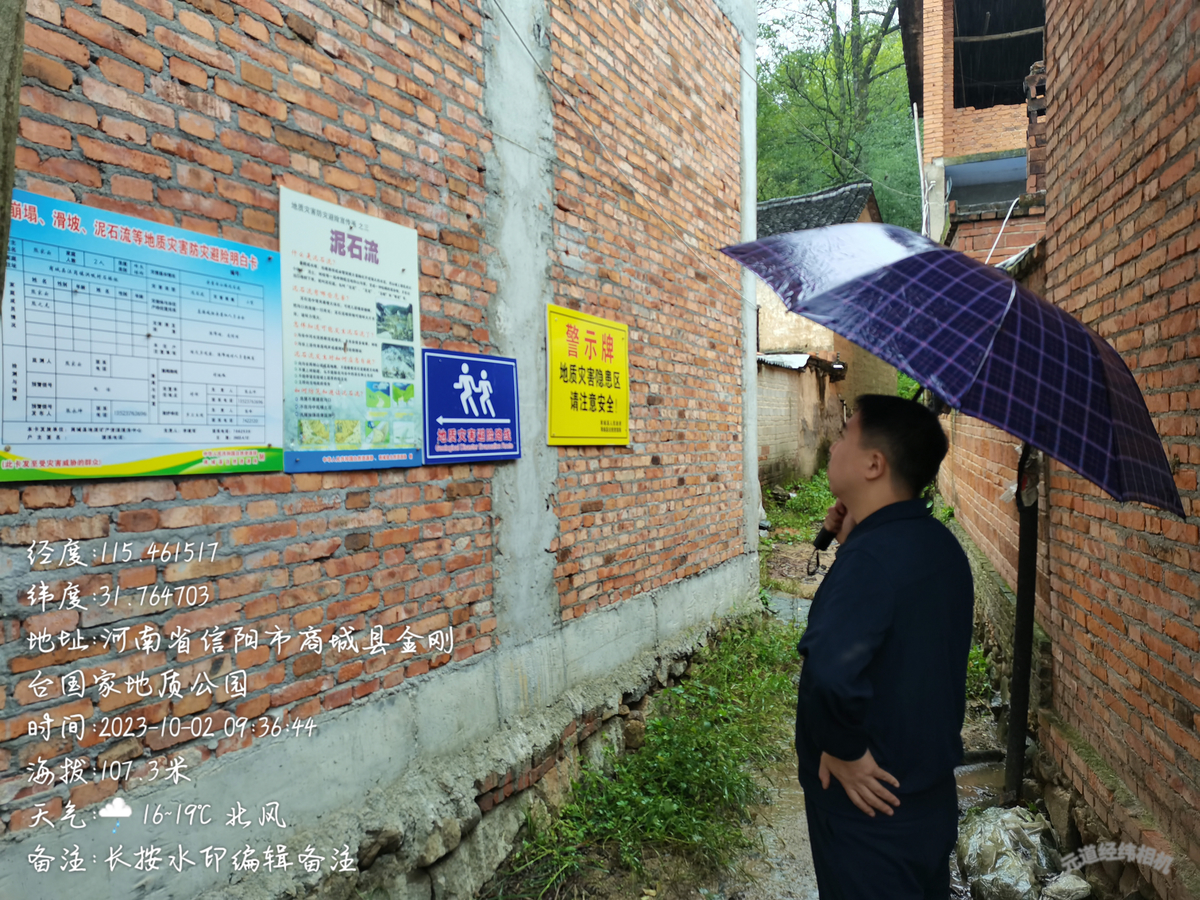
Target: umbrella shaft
x=1022, y=656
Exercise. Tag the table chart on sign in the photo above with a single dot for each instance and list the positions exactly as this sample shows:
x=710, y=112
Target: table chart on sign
x=101, y=348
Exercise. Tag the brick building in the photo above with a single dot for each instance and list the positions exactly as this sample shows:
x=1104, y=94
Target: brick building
x=967, y=65
x=593, y=155
x=1118, y=599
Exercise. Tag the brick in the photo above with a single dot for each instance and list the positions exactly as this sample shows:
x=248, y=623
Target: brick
x=254, y=28
x=79, y=528
x=248, y=121
x=128, y=208
x=307, y=99
x=243, y=96
x=119, y=493
x=56, y=44
x=304, y=144
x=158, y=7
x=94, y=792
x=41, y=133
x=46, y=10
x=194, y=178
x=257, y=76
x=51, y=73
x=123, y=156
x=197, y=126
x=118, y=98
x=185, y=201
x=301, y=689
x=240, y=193
x=131, y=19
x=138, y=520
x=259, y=221
x=68, y=110
x=262, y=9
x=241, y=485
x=189, y=73
x=192, y=152
x=109, y=38
x=205, y=103
x=181, y=43
x=243, y=46
x=122, y=75
x=207, y=568
x=254, y=534
x=214, y=8
x=198, y=488
x=197, y=25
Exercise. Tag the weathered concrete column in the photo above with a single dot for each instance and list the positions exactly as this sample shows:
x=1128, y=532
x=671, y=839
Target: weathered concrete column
x=12, y=51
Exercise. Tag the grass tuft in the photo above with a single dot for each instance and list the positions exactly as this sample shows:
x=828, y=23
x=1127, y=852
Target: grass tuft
x=688, y=790
x=979, y=685
x=805, y=512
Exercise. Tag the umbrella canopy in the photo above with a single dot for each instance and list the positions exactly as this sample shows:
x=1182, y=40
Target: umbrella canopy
x=980, y=341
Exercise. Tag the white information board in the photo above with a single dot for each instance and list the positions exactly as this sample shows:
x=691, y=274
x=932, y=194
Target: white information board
x=352, y=338
x=134, y=348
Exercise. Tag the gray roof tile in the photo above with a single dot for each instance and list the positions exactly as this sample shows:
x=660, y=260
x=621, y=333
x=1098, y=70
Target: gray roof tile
x=833, y=206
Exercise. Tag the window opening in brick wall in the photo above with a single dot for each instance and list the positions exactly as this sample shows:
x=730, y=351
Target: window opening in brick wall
x=995, y=43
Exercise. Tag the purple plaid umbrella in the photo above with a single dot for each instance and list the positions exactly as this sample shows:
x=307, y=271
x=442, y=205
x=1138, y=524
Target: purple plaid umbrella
x=980, y=341
x=987, y=346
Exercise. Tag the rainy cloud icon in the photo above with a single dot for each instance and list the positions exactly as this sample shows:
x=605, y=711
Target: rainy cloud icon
x=116, y=808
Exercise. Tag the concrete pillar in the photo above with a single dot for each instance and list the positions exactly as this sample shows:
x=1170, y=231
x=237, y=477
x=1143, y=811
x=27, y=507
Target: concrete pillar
x=939, y=216
x=12, y=51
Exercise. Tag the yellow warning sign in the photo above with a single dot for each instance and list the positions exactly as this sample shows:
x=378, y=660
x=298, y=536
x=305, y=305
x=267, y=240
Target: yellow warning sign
x=589, y=379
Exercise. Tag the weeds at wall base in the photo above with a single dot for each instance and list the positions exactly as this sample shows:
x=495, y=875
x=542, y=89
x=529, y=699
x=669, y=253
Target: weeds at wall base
x=687, y=792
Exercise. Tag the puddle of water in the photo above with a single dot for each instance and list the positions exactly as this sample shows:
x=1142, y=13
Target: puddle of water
x=981, y=784
x=782, y=869
x=790, y=608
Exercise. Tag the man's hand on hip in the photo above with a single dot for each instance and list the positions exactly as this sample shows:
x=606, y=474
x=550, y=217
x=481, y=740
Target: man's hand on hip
x=862, y=780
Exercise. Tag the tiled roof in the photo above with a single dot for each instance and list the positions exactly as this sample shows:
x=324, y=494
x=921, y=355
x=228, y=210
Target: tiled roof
x=833, y=206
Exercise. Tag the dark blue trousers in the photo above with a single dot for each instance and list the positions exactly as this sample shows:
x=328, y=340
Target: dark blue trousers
x=857, y=857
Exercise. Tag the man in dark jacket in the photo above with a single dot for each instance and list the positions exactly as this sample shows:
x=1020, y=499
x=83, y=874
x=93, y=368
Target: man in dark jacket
x=883, y=687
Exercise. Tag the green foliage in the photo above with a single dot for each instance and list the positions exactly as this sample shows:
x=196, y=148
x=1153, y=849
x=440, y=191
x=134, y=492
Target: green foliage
x=805, y=512
x=979, y=686
x=945, y=514
x=689, y=788
x=905, y=386
x=833, y=104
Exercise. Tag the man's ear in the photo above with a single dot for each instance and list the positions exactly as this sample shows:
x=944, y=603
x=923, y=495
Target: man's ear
x=876, y=465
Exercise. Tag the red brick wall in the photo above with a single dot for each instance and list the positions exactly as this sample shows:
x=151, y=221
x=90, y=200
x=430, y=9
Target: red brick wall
x=1122, y=196
x=978, y=468
x=193, y=113
x=976, y=236
x=636, y=518
x=951, y=132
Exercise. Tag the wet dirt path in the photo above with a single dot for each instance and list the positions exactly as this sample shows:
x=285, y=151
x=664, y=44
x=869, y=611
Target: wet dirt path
x=782, y=868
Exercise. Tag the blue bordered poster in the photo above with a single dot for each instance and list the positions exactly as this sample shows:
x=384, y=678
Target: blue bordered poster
x=471, y=406
x=351, y=337
x=135, y=348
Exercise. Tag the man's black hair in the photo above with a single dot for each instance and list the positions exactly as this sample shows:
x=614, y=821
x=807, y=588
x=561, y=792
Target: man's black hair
x=908, y=434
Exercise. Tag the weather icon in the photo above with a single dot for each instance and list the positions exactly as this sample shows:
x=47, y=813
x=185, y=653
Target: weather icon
x=116, y=808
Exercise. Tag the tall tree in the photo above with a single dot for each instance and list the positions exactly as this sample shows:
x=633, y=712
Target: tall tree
x=833, y=105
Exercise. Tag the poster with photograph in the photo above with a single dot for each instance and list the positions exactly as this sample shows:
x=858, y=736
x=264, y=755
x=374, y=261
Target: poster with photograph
x=134, y=348
x=352, y=338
